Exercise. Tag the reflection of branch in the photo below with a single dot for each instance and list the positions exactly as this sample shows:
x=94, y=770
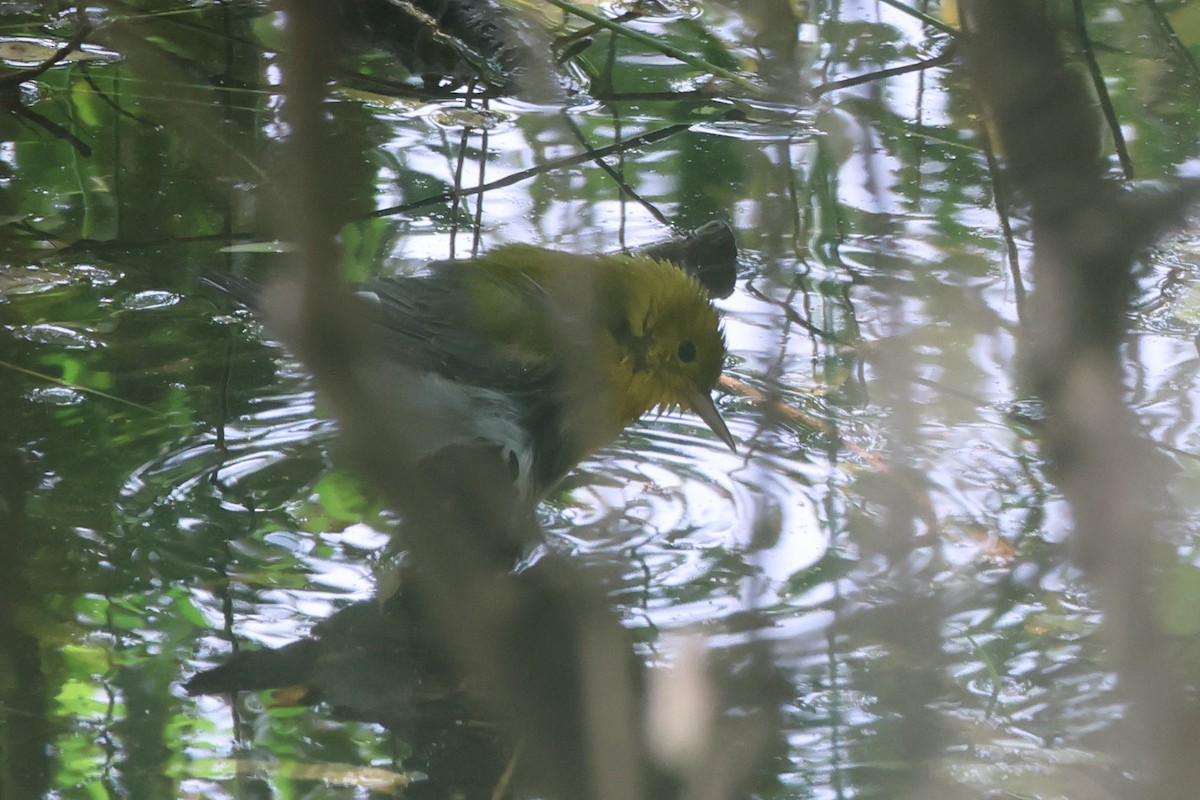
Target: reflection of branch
x=616, y=176
x=1106, y=106
x=637, y=141
x=570, y=44
x=793, y=316
x=940, y=60
x=10, y=94
x=21, y=76
x=932, y=22
x=1003, y=204
x=113, y=104
x=56, y=130
x=81, y=388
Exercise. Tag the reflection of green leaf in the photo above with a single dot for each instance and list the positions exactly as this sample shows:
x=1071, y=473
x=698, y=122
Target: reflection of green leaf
x=361, y=248
x=1186, y=22
x=80, y=760
x=186, y=609
x=105, y=380
x=179, y=404
x=1179, y=601
x=83, y=98
x=280, y=578
x=77, y=375
x=87, y=659
x=268, y=32
x=829, y=568
x=71, y=369
x=78, y=699
x=339, y=503
x=341, y=497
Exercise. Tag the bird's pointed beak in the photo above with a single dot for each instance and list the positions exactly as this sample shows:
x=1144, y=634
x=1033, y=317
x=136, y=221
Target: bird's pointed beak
x=702, y=404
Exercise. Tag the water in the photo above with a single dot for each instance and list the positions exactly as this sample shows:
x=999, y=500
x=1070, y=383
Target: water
x=175, y=490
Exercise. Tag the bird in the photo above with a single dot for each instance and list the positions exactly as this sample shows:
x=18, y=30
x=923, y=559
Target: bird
x=540, y=355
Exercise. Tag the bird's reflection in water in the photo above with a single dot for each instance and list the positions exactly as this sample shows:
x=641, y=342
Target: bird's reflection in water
x=379, y=662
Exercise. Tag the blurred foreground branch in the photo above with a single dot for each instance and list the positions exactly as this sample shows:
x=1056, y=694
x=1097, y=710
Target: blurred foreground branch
x=1088, y=233
x=540, y=648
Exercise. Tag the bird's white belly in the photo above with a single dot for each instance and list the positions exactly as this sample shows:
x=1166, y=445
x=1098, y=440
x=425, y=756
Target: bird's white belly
x=430, y=412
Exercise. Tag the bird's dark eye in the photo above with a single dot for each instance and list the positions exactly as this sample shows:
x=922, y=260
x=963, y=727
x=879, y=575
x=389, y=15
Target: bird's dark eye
x=687, y=351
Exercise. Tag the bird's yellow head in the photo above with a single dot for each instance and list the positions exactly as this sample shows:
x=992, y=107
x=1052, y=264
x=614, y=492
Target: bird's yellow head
x=645, y=329
x=670, y=348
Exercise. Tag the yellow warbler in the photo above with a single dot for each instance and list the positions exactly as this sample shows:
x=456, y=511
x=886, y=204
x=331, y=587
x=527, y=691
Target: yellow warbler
x=545, y=356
